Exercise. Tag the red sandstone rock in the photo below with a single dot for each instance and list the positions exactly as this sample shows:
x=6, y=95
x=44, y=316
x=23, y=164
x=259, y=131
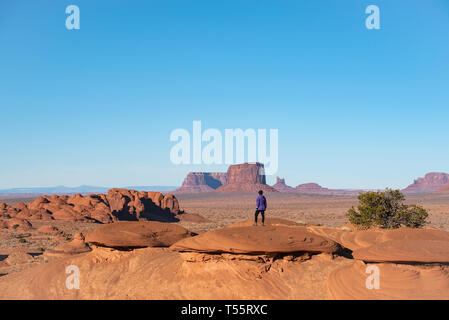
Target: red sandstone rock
x=257, y=240
x=76, y=246
x=133, y=205
x=133, y=234
x=405, y=250
x=197, y=182
x=431, y=182
x=247, y=177
x=118, y=204
x=47, y=229
x=15, y=224
x=396, y=282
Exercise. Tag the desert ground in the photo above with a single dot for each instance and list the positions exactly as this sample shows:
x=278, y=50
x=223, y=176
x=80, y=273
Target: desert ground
x=218, y=209
x=23, y=254
x=225, y=208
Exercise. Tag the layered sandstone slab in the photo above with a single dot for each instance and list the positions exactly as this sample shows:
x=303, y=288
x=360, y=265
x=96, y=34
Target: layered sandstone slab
x=257, y=240
x=431, y=182
x=137, y=234
x=405, y=251
x=395, y=282
x=358, y=239
x=246, y=177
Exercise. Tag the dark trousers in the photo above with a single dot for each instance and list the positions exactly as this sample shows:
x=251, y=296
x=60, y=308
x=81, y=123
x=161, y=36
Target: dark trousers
x=262, y=212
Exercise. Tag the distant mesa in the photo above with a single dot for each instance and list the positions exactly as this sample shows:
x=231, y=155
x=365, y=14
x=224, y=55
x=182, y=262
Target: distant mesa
x=311, y=188
x=246, y=177
x=431, y=182
x=282, y=187
x=197, y=182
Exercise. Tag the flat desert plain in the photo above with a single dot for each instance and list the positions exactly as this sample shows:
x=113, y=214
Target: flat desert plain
x=224, y=208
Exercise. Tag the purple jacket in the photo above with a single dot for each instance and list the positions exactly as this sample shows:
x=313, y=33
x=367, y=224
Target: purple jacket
x=261, y=202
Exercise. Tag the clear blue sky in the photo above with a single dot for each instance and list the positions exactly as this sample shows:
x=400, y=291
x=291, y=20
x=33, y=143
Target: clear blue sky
x=355, y=108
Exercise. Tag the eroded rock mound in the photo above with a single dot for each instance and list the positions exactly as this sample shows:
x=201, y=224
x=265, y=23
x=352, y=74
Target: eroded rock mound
x=15, y=224
x=76, y=246
x=134, y=205
x=118, y=204
x=405, y=251
x=396, y=282
x=247, y=177
x=257, y=240
x=47, y=229
x=137, y=234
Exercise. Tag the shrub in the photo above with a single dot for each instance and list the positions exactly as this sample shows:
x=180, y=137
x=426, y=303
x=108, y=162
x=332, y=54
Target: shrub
x=386, y=210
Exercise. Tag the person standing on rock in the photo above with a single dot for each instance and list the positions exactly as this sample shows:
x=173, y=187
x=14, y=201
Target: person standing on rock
x=261, y=207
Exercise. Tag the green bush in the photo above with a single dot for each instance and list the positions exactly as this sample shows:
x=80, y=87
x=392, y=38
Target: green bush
x=386, y=210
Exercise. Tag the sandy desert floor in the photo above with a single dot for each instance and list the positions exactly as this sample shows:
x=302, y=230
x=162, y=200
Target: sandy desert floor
x=225, y=208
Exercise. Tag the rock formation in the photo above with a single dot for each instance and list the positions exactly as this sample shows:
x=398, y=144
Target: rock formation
x=365, y=238
x=136, y=234
x=257, y=240
x=246, y=177
x=405, y=250
x=282, y=187
x=397, y=281
x=76, y=246
x=15, y=224
x=197, y=182
x=117, y=204
x=430, y=183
